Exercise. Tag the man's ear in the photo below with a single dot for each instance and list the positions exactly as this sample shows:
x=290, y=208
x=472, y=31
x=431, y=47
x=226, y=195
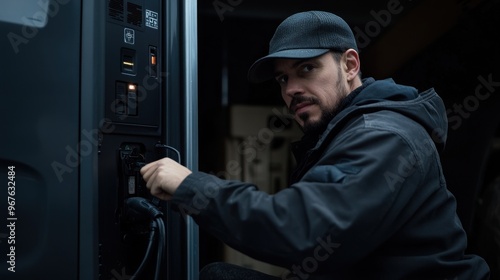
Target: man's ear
x=352, y=64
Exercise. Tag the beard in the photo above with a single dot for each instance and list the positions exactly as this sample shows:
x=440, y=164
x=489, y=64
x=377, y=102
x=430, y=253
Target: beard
x=327, y=113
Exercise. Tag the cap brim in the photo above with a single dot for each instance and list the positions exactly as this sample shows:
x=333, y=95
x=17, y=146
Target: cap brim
x=263, y=69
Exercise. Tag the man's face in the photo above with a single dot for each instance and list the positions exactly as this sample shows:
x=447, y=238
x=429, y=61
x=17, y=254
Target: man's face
x=312, y=89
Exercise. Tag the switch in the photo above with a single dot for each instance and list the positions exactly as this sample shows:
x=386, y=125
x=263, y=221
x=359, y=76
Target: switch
x=132, y=100
x=131, y=184
x=120, y=98
x=128, y=63
x=153, y=61
x=126, y=99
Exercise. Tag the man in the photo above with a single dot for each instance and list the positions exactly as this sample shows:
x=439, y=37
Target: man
x=367, y=200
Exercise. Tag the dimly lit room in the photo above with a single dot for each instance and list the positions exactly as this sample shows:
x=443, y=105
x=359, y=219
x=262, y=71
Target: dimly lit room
x=238, y=139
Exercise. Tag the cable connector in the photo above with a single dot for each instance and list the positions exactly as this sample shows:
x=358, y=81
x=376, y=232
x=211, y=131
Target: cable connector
x=139, y=165
x=144, y=207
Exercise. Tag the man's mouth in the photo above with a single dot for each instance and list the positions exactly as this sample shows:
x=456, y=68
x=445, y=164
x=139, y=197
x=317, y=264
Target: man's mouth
x=300, y=107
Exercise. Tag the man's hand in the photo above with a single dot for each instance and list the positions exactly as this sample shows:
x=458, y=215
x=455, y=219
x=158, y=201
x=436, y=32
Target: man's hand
x=163, y=177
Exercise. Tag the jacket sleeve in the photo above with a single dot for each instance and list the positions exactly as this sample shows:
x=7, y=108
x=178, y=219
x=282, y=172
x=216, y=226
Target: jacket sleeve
x=343, y=208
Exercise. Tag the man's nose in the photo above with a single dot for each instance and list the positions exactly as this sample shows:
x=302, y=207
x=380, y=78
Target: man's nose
x=293, y=87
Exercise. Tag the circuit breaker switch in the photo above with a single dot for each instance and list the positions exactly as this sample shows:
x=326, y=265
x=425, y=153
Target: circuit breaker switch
x=128, y=63
x=120, y=98
x=132, y=100
x=153, y=61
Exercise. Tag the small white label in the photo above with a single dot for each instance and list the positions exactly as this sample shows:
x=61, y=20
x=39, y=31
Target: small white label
x=131, y=185
x=151, y=19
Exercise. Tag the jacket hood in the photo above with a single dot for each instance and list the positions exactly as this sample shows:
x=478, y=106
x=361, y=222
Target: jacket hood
x=426, y=108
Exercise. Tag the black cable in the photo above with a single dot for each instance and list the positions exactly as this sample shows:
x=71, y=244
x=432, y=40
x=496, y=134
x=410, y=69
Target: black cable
x=152, y=237
x=171, y=148
x=141, y=206
x=161, y=247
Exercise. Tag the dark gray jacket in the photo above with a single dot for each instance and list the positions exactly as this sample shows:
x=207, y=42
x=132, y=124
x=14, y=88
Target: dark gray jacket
x=368, y=200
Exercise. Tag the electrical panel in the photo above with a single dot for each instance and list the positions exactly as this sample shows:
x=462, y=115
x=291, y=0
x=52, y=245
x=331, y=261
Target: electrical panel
x=86, y=103
x=133, y=116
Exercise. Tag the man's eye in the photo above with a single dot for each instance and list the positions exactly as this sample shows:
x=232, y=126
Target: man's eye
x=307, y=68
x=281, y=79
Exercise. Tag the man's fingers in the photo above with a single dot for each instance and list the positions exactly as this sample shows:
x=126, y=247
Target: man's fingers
x=163, y=176
x=147, y=169
x=155, y=185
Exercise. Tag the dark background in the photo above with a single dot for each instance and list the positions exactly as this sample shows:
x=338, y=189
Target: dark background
x=450, y=45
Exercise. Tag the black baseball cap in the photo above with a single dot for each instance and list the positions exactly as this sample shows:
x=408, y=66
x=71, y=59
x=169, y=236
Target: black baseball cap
x=301, y=36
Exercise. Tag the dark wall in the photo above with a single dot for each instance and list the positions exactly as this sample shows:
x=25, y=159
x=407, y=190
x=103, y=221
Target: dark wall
x=464, y=67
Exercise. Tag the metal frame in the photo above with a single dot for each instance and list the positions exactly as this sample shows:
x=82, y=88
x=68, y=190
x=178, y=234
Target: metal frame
x=190, y=80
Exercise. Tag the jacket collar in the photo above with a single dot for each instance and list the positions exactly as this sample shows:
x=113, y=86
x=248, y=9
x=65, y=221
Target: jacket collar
x=309, y=141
